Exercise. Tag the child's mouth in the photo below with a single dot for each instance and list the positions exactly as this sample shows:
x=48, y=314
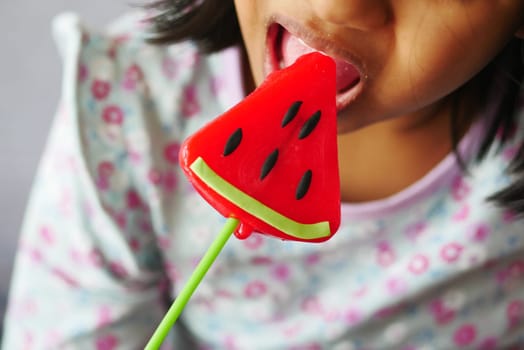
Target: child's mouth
x=284, y=49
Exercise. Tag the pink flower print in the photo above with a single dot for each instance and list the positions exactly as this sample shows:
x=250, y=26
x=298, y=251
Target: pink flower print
x=120, y=219
x=169, y=68
x=352, y=316
x=171, y=152
x=502, y=276
x=172, y=271
x=113, y=49
x=480, y=233
x=488, y=344
x=100, y=89
x=133, y=199
x=113, y=115
x=464, y=335
x=82, y=73
x=164, y=242
x=145, y=224
x=28, y=340
x=134, y=243
x=107, y=342
x=76, y=256
x=104, y=316
x=155, y=177
x=170, y=181
x=509, y=216
x=167, y=180
x=230, y=342
x=95, y=257
x=515, y=313
x=385, y=255
x=418, y=264
x=451, y=252
x=65, y=277
x=255, y=289
x=105, y=170
x=445, y=316
x=47, y=235
x=313, y=259
x=111, y=52
x=516, y=269
x=387, y=312
x=253, y=242
x=292, y=330
x=118, y=269
x=261, y=260
x=36, y=255
x=462, y=214
x=103, y=184
x=121, y=38
x=415, y=230
x=395, y=286
x=132, y=77
x=459, y=188
x=360, y=292
x=281, y=272
x=311, y=305
x=190, y=104
x=441, y=313
x=134, y=156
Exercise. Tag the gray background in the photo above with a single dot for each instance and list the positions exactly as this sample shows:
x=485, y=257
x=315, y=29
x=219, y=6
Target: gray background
x=30, y=74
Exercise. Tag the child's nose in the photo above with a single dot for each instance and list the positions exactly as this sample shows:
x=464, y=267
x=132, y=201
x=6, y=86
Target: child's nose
x=358, y=14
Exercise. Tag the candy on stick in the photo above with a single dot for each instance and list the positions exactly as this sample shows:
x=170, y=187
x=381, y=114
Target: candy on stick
x=269, y=164
x=271, y=161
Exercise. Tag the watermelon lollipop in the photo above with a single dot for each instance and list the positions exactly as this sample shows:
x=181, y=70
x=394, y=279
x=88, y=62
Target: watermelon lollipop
x=269, y=165
x=271, y=161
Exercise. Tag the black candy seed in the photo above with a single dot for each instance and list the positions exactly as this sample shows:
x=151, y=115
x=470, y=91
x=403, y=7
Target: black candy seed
x=291, y=113
x=303, y=185
x=269, y=164
x=233, y=142
x=309, y=125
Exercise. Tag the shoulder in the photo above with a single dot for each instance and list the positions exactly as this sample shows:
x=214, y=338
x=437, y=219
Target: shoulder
x=114, y=77
x=119, y=59
x=126, y=105
x=118, y=65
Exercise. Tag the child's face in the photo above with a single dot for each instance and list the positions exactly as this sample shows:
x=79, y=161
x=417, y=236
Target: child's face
x=410, y=54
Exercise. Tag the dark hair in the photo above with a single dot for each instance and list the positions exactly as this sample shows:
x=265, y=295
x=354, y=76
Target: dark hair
x=506, y=72
x=213, y=25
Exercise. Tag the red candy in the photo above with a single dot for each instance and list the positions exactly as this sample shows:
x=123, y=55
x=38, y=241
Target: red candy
x=271, y=161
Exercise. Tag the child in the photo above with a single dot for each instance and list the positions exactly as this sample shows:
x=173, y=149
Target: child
x=430, y=253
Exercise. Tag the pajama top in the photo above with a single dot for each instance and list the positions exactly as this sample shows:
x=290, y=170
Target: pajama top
x=113, y=229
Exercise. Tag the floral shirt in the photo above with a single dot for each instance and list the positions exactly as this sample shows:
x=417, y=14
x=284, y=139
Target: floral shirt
x=113, y=230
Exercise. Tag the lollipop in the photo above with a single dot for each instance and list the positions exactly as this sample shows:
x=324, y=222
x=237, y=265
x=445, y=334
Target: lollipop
x=269, y=164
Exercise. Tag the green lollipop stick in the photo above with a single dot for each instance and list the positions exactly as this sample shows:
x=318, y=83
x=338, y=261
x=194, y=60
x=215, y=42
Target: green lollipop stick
x=181, y=300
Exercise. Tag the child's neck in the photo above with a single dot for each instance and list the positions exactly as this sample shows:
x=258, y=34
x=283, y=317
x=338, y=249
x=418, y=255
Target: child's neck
x=383, y=159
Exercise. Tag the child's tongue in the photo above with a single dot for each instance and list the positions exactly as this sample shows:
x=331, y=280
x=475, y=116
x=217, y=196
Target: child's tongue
x=293, y=48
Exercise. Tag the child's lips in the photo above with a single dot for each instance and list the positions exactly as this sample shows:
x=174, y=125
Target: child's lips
x=284, y=49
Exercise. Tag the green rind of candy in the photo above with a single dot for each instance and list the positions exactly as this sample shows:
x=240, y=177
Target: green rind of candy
x=256, y=208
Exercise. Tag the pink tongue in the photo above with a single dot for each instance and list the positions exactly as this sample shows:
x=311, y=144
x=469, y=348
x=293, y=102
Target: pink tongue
x=293, y=48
